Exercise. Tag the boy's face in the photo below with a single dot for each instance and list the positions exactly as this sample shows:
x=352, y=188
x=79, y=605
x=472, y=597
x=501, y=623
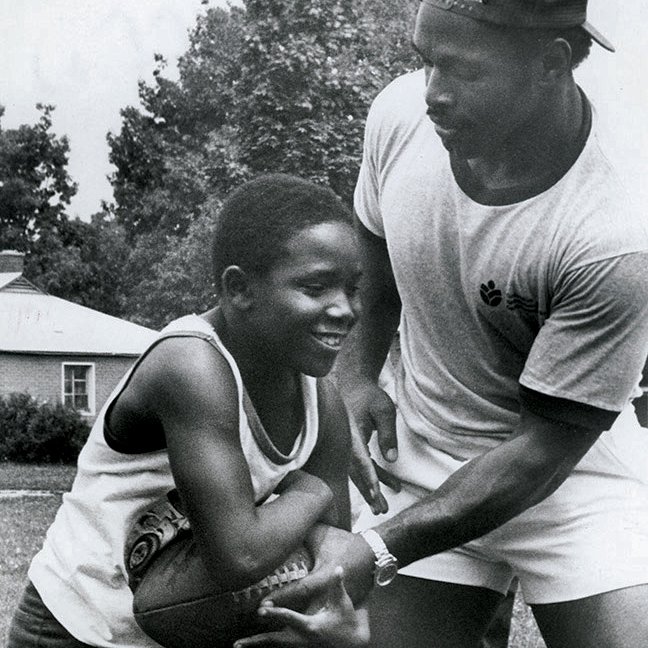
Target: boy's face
x=306, y=304
x=481, y=83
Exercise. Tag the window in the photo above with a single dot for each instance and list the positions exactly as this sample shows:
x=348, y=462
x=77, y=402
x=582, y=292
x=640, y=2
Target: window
x=78, y=387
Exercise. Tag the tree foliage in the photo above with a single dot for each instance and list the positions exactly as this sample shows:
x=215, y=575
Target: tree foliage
x=82, y=262
x=35, y=187
x=72, y=259
x=276, y=85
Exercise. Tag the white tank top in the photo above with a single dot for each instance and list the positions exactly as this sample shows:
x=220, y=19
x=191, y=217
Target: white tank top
x=80, y=572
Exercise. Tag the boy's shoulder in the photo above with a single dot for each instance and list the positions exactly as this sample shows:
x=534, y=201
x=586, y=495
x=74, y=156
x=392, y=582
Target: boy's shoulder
x=187, y=364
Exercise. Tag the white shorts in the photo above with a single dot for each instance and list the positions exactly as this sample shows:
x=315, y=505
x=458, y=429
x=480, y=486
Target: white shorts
x=589, y=537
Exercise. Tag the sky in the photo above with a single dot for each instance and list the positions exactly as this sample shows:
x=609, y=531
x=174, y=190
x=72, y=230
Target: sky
x=87, y=57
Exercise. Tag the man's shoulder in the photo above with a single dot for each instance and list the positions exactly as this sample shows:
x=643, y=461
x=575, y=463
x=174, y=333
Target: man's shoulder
x=596, y=218
x=403, y=98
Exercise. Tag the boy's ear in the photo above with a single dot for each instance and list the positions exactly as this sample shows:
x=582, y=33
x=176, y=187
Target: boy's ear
x=236, y=286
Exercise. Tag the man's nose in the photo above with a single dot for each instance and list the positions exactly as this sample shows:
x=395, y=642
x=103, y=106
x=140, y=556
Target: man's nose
x=437, y=91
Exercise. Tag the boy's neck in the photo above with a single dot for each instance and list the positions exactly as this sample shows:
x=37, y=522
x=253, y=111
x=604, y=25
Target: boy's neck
x=275, y=394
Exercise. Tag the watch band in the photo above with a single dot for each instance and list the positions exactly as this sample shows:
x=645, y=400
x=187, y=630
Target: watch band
x=386, y=565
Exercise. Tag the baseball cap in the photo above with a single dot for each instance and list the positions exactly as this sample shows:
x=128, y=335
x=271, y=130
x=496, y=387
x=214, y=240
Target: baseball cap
x=529, y=14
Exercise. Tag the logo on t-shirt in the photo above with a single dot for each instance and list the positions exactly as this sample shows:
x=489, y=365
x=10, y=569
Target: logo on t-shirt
x=518, y=303
x=490, y=295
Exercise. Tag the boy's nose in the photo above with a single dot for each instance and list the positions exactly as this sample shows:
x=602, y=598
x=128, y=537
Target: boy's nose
x=343, y=307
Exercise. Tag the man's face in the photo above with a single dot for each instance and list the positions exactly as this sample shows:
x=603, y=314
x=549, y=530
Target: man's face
x=481, y=84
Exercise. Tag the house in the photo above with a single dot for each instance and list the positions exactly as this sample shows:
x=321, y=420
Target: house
x=56, y=350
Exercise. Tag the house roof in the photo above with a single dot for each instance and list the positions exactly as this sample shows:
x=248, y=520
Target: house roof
x=15, y=282
x=7, y=277
x=34, y=322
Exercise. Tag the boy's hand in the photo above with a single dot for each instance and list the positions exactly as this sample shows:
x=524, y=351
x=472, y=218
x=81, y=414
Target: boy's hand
x=331, y=548
x=333, y=623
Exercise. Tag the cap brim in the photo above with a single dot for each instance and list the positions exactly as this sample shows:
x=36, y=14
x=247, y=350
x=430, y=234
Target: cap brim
x=598, y=37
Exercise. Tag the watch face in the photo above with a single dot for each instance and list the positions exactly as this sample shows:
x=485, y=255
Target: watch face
x=386, y=574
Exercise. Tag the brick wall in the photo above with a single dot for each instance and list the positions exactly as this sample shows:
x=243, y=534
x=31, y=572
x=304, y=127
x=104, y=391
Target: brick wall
x=40, y=375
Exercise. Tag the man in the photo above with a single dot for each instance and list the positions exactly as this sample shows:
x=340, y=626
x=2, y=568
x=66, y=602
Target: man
x=498, y=237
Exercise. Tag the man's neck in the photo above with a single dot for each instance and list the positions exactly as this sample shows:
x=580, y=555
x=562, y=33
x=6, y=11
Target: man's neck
x=546, y=144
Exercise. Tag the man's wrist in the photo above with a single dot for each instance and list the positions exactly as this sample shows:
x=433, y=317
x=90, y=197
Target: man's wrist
x=386, y=564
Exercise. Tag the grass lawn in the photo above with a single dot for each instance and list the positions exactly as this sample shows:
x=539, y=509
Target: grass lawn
x=24, y=520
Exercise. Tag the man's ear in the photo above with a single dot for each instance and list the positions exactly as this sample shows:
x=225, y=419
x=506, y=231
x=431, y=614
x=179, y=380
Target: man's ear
x=557, y=59
x=236, y=287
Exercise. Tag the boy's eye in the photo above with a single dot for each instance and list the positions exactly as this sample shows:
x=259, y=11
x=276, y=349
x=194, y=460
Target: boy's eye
x=353, y=290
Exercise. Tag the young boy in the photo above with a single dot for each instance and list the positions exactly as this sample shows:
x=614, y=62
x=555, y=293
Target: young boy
x=224, y=406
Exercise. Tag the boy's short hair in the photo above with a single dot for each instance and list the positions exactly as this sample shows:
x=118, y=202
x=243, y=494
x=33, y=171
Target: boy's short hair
x=257, y=219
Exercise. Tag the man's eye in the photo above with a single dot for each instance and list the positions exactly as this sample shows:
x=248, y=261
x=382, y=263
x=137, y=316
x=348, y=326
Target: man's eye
x=466, y=72
x=314, y=289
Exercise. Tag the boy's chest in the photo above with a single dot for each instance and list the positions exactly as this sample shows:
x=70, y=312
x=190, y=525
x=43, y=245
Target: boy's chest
x=282, y=419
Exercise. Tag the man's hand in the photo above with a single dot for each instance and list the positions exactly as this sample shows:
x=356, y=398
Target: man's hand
x=331, y=623
x=371, y=409
x=363, y=471
x=331, y=548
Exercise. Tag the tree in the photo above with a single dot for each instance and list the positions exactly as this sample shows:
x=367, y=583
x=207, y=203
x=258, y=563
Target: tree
x=278, y=85
x=275, y=86
x=181, y=281
x=82, y=262
x=35, y=187
x=170, y=155
x=309, y=72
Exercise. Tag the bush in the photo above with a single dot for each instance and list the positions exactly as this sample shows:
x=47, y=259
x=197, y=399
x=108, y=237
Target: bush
x=33, y=432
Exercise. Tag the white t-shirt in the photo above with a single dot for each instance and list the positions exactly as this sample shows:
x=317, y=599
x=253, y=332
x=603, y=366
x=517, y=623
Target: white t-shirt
x=80, y=572
x=550, y=292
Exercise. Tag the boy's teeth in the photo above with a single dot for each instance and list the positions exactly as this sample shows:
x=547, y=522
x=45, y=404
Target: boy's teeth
x=331, y=340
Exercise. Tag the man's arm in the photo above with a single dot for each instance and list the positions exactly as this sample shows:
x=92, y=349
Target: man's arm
x=364, y=354
x=491, y=489
x=479, y=497
x=330, y=458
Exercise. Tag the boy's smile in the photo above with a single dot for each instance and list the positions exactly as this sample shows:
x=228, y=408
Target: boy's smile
x=331, y=339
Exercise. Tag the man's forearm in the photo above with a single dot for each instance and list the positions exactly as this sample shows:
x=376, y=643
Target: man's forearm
x=364, y=353
x=484, y=494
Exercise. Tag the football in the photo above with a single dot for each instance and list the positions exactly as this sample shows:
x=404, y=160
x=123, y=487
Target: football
x=177, y=603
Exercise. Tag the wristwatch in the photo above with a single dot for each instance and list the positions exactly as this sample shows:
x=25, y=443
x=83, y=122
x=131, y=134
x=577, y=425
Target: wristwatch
x=386, y=564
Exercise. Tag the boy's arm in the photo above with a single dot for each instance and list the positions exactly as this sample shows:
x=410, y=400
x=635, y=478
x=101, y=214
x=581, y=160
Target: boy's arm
x=189, y=388
x=330, y=458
